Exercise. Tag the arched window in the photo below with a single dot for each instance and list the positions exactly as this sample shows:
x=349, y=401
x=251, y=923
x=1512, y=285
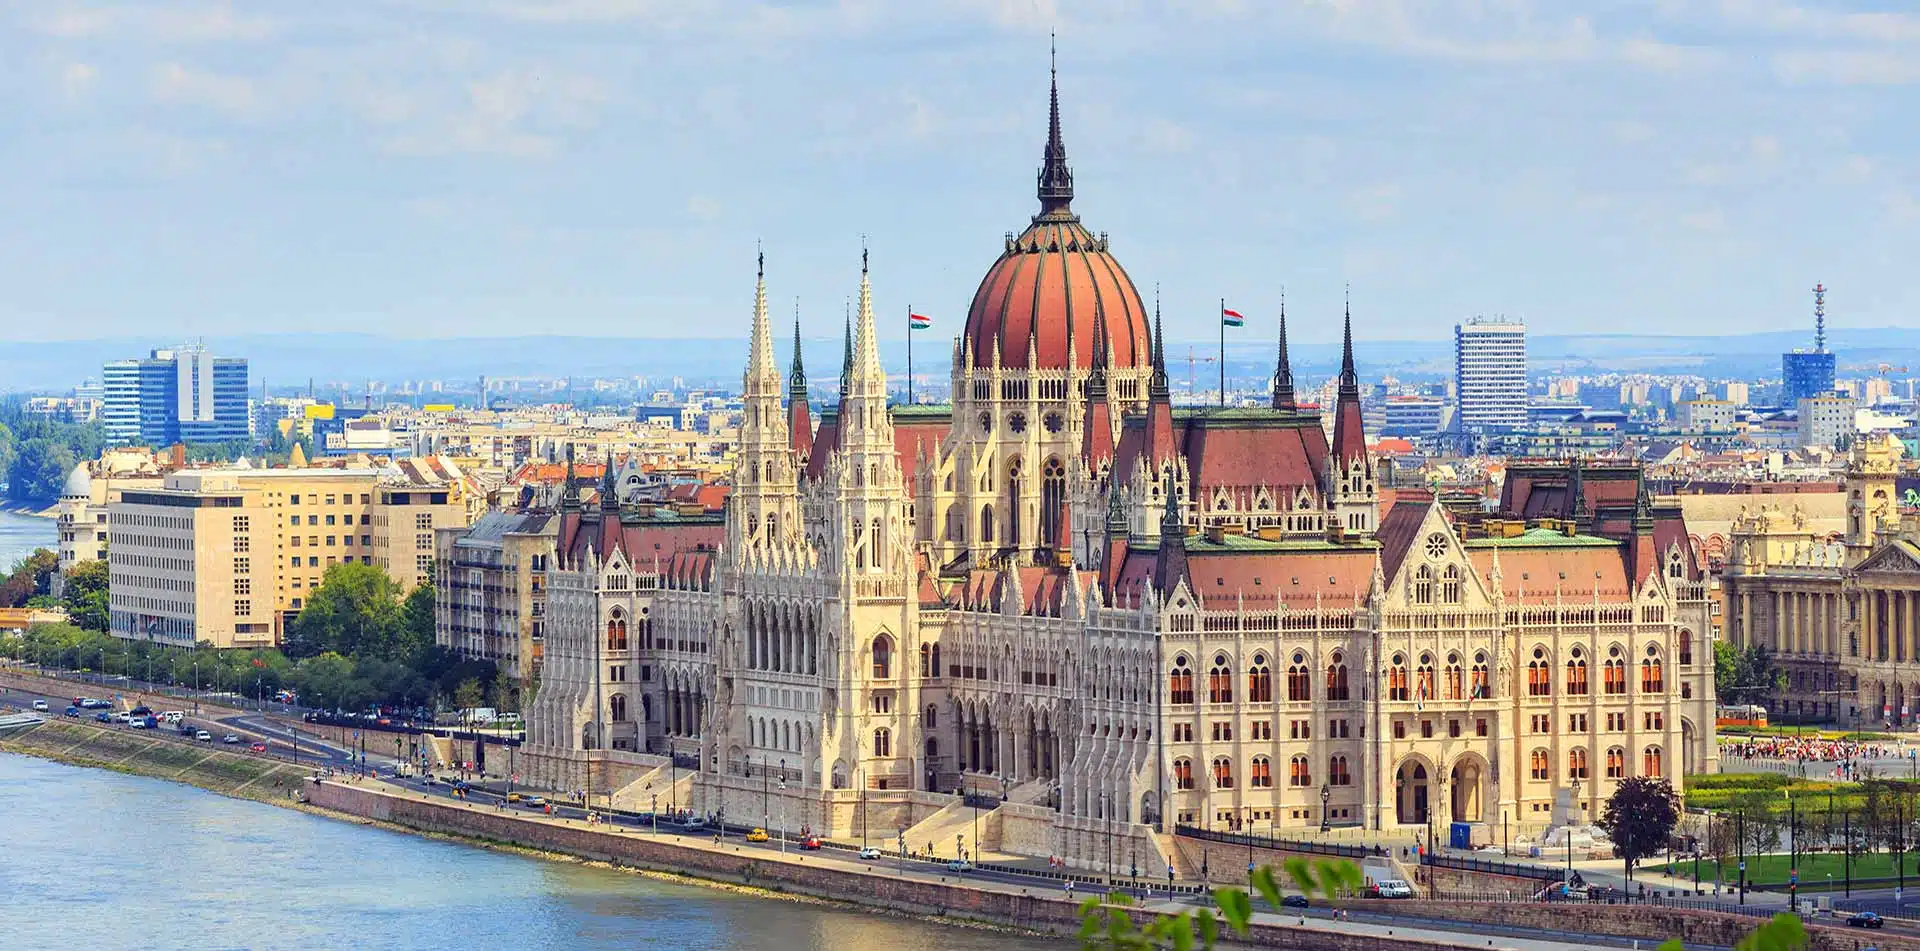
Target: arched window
x=1616, y=763
x=1337, y=772
x=1260, y=774
x=1220, y=681
x=1577, y=673
x=1652, y=763
x=1423, y=585
x=617, y=631
x=1298, y=772
x=1180, y=682
x=1542, y=765
x=877, y=550
x=1183, y=774
x=926, y=660
x=1260, y=681
x=1053, y=500
x=1686, y=648
x=1299, y=682
x=883, y=742
x=1014, y=481
x=1450, y=585
x=1337, y=678
x=1653, y=677
x=883, y=657
x=936, y=659
x=1424, y=689
x=617, y=707
x=1577, y=763
x=1482, y=682
x=1222, y=773
x=1456, y=678
x=1397, y=687
x=1539, y=674
x=1616, y=672
x=986, y=524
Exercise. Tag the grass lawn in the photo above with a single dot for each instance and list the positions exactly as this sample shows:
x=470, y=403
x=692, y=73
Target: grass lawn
x=1772, y=869
x=1769, y=791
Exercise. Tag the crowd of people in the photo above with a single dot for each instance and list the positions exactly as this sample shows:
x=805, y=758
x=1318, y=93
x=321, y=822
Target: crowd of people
x=1845, y=756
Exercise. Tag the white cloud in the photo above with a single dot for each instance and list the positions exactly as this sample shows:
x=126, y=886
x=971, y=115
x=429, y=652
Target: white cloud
x=513, y=113
x=176, y=84
x=77, y=79
x=1854, y=67
x=155, y=23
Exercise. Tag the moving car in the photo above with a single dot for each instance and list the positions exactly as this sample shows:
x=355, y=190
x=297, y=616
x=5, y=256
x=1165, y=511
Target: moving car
x=869, y=853
x=230, y=739
x=959, y=865
x=1294, y=901
x=203, y=736
x=40, y=705
x=694, y=824
x=810, y=843
x=174, y=716
x=258, y=747
x=72, y=711
x=513, y=798
x=143, y=723
x=103, y=717
x=1865, y=919
x=758, y=835
x=141, y=711
x=534, y=802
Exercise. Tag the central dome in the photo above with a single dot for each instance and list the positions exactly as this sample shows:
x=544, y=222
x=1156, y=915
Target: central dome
x=1054, y=283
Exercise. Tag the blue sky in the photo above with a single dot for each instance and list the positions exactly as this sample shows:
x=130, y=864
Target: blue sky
x=443, y=168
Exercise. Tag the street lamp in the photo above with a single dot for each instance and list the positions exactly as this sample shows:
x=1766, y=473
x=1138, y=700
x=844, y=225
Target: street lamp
x=1326, y=794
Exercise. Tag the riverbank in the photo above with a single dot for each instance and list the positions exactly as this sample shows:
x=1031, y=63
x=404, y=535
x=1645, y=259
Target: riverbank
x=75, y=743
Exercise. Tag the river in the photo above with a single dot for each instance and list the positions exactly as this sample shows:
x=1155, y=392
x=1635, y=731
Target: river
x=21, y=534
x=97, y=859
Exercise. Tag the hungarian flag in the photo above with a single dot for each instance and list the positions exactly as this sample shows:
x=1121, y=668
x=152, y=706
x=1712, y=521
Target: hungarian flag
x=1232, y=318
x=919, y=321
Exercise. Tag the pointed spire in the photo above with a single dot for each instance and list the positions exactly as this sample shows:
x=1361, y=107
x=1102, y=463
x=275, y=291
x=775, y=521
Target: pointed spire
x=866, y=337
x=1348, y=377
x=1157, y=385
x=1283, y=397
x=797, y=378
x=1055, y=179
x=569, y=497
x=763, y=376
x=1097, y=371
x=609, y=499
x=846, y=362
x=1172, y=566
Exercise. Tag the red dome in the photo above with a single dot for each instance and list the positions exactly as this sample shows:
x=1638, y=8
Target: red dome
x=1054, y=283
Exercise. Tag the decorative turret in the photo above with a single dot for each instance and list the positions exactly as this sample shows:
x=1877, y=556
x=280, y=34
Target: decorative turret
x=799, y=414
x=1171, y=566
x=1160, y=446
x=1283, y=397
x=1096, y=437
x=1055, y=178
x=569, y=494
x=764, y=504
x=1349, y=435
x=1352, y=498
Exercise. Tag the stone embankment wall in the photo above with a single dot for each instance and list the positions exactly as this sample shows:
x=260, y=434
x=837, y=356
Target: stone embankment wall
x=1009, y=906
x=1628, y=921
x=158, y=755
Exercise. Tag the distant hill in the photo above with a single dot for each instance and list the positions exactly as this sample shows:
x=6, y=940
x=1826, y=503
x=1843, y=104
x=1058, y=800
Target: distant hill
x=287, y=361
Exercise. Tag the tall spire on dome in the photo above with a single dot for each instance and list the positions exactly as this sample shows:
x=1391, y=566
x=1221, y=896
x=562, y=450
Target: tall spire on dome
x=1055, y=179
x=1283, y=397
x=763, y=375
x=1157, y=384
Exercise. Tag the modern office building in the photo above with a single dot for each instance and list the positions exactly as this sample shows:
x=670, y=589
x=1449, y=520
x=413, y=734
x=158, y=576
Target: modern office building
x=1826, y=420
x=1705, y=415
x=1412, y=415
x=227, y=556
x=1808, y=373
x=181, y=395
x=1490, y=372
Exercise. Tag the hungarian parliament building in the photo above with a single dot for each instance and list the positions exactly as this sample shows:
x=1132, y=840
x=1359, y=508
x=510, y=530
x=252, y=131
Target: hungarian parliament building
x=1102, y=616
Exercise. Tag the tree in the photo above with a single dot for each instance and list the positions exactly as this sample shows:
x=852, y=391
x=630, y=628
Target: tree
x=354, y=612
x=467, y=695
x=85, y=595
x=1744, y=676
x=416, y=625
x=1640, y=816
x=39, y=471
x=32, y=575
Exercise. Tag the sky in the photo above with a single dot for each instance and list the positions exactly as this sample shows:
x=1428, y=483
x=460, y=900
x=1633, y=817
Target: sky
x=447, y=168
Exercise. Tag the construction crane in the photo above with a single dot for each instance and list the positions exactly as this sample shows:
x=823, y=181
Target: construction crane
x=1192, y=359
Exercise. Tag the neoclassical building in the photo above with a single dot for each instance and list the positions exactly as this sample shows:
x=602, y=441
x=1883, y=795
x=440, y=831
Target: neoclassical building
x=1065, y=593
x=1841, y=613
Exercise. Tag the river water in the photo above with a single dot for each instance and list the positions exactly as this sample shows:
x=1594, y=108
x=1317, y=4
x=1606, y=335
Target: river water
x=96, y=860
x=21, y=534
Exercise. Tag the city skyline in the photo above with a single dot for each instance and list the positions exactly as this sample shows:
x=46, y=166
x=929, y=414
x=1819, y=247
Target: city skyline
x=410, y=168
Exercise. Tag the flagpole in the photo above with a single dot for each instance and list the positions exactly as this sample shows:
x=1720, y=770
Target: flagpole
x=1223, y=351
x=909, y=354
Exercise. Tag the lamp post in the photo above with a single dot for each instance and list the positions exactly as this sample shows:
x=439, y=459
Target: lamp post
x=1326, y=794
x=783, y=805
x=1846, y=850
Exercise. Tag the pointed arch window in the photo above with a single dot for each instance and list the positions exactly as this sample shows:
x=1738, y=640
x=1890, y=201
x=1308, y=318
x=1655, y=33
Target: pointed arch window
x=1577, y=763
x=1652, y=763
x=1456, y=681
x=1180, y=682
x=1577, y=673
x=1397, y=680
x=1424, y=690
x=1053, y=500
x=1338, y=773
x=1299, y=679
x=1653, y=678
x=1260, y=773
x=1539, y=674
x=1616, y=763
x=1616, y=672
x=1260, y=680
x=1337, y=677
x=1482, y=678
x=1183, y=774
x=1450, y=585
x=1423, y=585
x=883, y=658
x=1220, y=681
x=1299, y=773
x=1222, y=773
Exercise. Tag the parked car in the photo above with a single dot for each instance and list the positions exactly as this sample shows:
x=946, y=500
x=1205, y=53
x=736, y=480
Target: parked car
x=40, y=705
x=230, y=739
x=203, y=736
x=72, y=711
x=1865, y=919
x=258, y=747
x=869, y=853
x=122, y=718
x=103, y=717
x=959, y=866
x=810, y=843
x=694, y=824
x=174, y=716
x=1395, y=888
x=1294, y=901
x=141, y=711
x=534, y=802
x=143, y=723
x=758, y=835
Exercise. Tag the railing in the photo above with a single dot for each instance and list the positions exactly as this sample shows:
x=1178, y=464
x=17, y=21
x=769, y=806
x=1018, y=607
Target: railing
x=1288, y=845
x=1539, y=873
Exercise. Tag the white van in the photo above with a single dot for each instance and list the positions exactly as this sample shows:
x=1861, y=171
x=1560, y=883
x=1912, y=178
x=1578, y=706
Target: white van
x=173, y=716
x=1395, y=888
